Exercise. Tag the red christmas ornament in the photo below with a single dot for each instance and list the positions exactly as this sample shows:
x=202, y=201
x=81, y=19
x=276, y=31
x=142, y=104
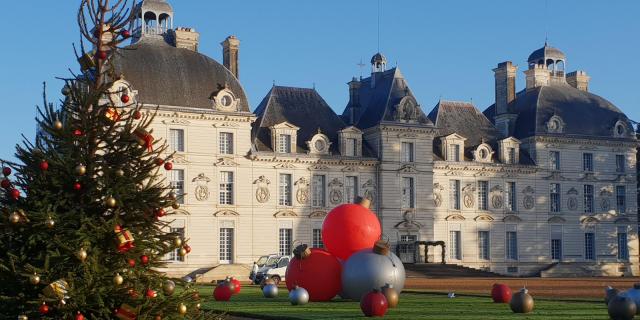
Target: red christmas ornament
x=349, y=228
x=132, y=263
x=501, y=293
x=159, y=161
x=137, y=115
x=44, y=166
x=15, y=194
x=77, y=186
x=125, y=34
x=320, y=274
x=187, y=248
x=77, y=132
x=168, y=166
x=160, y=213
x=144, y=259
x=374, y=304
x=222, y=292
x=6, y=171
x=124, y=98
x=132, y=293
x=234, y=281
x=44, y=308
x=101, y=55
x=6, y=184
x=151, y=294
x=79, y=316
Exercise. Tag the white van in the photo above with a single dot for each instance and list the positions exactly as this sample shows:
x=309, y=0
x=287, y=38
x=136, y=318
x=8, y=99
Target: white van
x=274, y=268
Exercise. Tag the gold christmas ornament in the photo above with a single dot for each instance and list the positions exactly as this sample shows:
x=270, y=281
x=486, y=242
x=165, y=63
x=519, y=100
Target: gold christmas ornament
x=198, y=305
x=50, y=223
x=182, y=309
x=177, y=242
x=173, y=196
x=81, y=170
x=118, y=279
x=57, y=125
x=182, y=252
x=34, y=279
x=110, y=202
x=120, y=173
x=175, y=206
x=82, y=254
x=14, y=217
x=23, y=317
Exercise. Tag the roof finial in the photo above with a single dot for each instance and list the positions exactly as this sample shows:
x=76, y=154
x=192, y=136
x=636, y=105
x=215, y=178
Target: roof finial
x=361, y=65
x=274, y=83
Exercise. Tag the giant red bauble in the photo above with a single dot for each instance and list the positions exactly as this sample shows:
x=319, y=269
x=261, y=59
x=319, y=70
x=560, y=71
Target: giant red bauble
x=222, y=292
x=349, y=228
x=320, y=274
x=501, y=293
x=374, y=304
x=236, y=282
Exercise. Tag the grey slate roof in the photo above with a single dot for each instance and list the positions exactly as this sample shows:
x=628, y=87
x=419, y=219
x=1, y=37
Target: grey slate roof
x=584, y=114
x=544, y=52
x=302, y=107
x=166, y=75
x=379, y=103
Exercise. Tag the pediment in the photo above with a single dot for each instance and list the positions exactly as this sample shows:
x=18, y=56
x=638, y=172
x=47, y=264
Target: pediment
x=318, y=214
x=455, y=217
x=483, y=218
x=179, y=158
x=285, y=165
x=201, y=178
x=351, y=129
x=226, y=213
x=589, y=220
x=225, y=162
x=572, y=191
x=454, y=136
x=408, y=225
x=319, y=166
x=284, y=125
x=285, y=213
x=589, y=176
x=350, y=169
x=408, y=168
x=226, y=125
x=176, y=121
x=512, y=218
x=555, y=176
x=511, y=140
x=556, y=219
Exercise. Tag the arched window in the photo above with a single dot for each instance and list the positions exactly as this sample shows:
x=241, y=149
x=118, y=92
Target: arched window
x=165, y=22
x=550, y=64
x=150, y=22
x=560, y=68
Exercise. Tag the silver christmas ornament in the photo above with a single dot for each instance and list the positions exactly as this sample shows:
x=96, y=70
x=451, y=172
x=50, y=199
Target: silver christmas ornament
x=298, y=296
x=621, y=308
x=270, y=291
x=366, y=270
x=168, y=287
x=634, y=295
x=610, y=293
x=521, y=302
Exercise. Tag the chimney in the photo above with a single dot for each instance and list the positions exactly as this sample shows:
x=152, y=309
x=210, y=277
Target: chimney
x=537, y=76
x=230, y=47
x=579, y=80
x=505, y=75
x=354, y=99
x=186, y=38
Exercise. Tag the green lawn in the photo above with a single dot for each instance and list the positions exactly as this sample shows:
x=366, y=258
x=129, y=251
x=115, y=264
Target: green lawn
x=250, y=303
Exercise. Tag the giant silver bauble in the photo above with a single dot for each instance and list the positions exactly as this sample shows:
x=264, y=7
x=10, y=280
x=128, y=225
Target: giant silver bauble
x=366, y=270
x=621, y=308
x=270, y=291
x=634, y=295
x=298, y=296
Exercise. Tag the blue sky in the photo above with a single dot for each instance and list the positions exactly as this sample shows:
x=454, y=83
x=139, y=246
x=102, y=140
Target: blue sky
x=444, y=48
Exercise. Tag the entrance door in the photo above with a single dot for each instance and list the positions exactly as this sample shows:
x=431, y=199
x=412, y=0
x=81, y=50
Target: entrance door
x=226, y=245
x=407, y=248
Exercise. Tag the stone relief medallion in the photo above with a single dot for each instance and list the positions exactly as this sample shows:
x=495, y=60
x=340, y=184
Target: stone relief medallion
x=528, y=202
x=468, y=198
x=572, y=203
x=437, y=194
x=496, y=201
x=335, y=195
x=604, y=204
x=302, y=195
x=262, y=190
x=202, y=189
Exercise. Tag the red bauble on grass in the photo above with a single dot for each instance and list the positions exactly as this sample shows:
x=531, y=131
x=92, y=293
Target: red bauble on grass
x=44, y=166
x=222, y=292
x=144, y=259
x=6, y=184
x=374, y=304
x=168, y=166
x=44, y=309
x=6, y=171
x=349, y=228
x=15, y=194
x=125, y=98
x=501, y=293
x=319, y=273
x=236, y=282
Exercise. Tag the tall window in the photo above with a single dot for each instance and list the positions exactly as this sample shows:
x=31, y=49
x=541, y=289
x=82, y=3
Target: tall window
x=285, y=190
x=511, y=199
x=554, y=160
x=589, y=246
x=511, y=155
x=408, y=193
x=556, y=249
x=226, y=143
x=351, y=189
x=317, y=238
x=176, y=140
x=588, y=198
x=286, y=234
x=284, y=143
x=407, y=152
x=318, y=186
x=454, y=152
x=226, y=245
x=177, y=183
x=483, y=245
x=350, y=148
x=455, y=250
x=512, y=245
x=454, y=194
x=620, y=163
x=483, y=195
x=623, y=244
x=554, y=197
x=587, y=162
x=226, y=187
x=175, y=254
x=621, y=199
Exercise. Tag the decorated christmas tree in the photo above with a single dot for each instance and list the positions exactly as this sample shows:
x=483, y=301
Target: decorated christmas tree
x=80, y=226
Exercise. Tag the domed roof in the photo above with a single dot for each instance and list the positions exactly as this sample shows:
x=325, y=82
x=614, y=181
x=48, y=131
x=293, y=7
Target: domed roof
x=546, y=52
x=156, y=6
x=166, y=75
x=378, y=57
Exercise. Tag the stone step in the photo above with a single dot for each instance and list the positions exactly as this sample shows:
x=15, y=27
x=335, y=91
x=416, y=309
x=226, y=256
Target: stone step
x=222, y=271
x=445, y=270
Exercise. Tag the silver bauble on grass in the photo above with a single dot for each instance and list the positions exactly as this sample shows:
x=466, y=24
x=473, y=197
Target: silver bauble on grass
x=634, y=295
x=621, y=308
x=521, y=302
x=298, y=296
x=270, y=291
x=366, y=270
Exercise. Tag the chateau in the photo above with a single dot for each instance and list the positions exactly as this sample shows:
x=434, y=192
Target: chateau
x=544, y=180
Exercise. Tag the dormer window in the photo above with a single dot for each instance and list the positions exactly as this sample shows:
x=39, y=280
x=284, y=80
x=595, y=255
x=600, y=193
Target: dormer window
x=283, y=137
x=350, y=142
x=483, y=153
x=555, y=125
x=319, y=144
x=350, y=147
x=225, y=100
x=454, y=152
x=284, y=143
x=510, y=151
x=453, y=147
x=620, y=130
